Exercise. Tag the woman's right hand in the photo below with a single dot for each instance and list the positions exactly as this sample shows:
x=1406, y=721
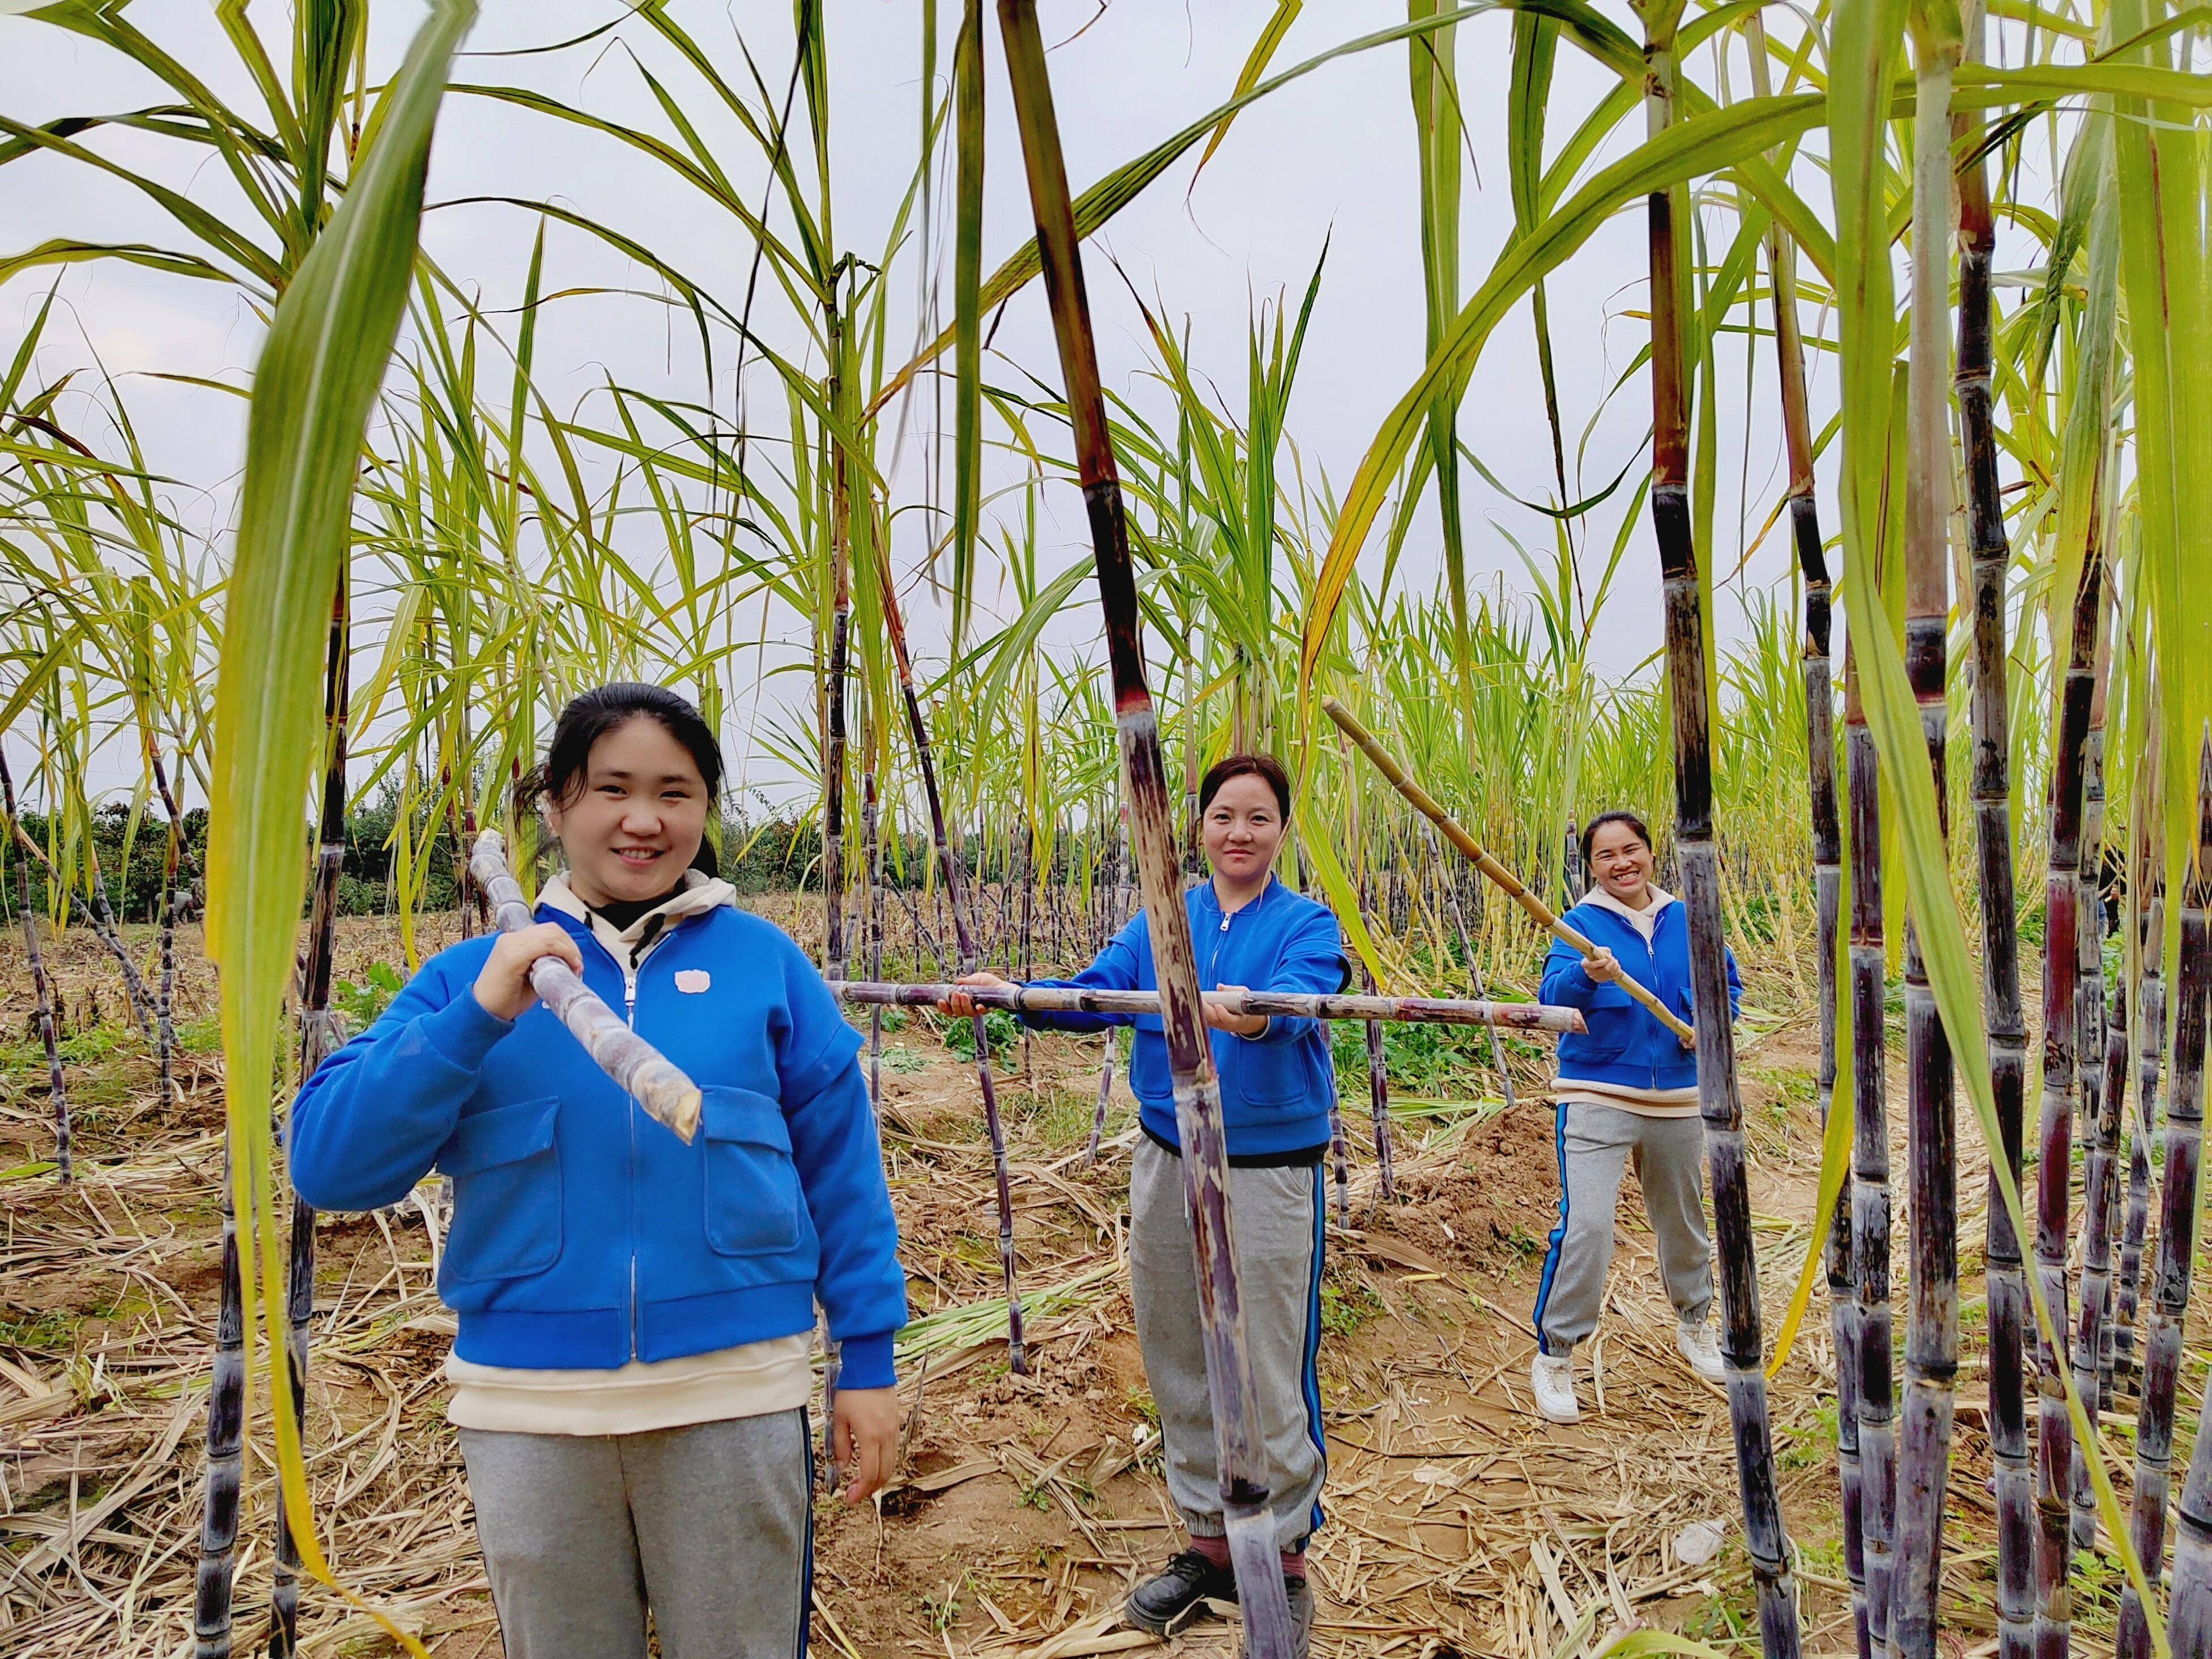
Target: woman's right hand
x=960, y=1005
x=503, y=987
x=1601, y=966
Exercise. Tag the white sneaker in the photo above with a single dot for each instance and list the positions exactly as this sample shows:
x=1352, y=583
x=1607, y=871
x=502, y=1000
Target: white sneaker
x=1552, y=1377
x=1703, y=1351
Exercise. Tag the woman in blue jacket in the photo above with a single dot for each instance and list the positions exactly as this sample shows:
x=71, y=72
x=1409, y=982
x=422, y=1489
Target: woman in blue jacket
x=635, y=1316
x=1627, y=1089
x=1277, y=1088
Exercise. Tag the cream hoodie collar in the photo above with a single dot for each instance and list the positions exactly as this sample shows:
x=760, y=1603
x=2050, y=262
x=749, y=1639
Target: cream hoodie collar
x=1644, y=921
x=700, y=893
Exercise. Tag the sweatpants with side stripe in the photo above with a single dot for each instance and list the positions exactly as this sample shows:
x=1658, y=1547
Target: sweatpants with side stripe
x=1596, y=1144
x=711, y=1526
x=1278, y=1262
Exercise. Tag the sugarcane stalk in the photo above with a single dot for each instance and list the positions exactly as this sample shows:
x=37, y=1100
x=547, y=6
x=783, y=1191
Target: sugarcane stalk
x=2151, y=1026
x=173, y=848
x=833, y=693
x=1696, y=856
x=1538, y=912
x=1247, y=1519
x=101, y=918
x=41, y=989
x=668, y=1097
x=1870, y=1196
x=1278, y=1004
x=2099, y=1180
x=1827, y=840
x=2004, y=1275
x=226, y=1453
x=1378, y=1099
x=2061, y=975
x=2177, y=1246
x=958, y=900
x=1931, y=1340
x=872, y=911
x=319, y=1037
x=2189, y=1611
x=1105, y=1096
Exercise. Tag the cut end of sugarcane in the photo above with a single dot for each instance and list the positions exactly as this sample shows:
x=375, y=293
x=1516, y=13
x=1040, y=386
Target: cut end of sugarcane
x=678, y=1111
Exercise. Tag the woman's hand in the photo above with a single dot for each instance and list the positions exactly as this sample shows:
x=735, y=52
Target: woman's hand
x=1601, y=966
x=1243, y=1026
x=866, y=1435
x=503, y=986
x=964, y=1006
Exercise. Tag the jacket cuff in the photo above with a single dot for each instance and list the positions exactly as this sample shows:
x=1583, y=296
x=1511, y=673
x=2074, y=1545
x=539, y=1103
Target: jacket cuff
x=864, y=1362
x=464, y=1031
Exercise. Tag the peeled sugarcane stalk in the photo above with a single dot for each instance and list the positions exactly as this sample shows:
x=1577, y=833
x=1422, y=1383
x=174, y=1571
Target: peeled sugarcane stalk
x=668, y=1097
x=1244, y=1495
x=1827, y=836
x=2061, y=973
x=2101, y=1176
x=41, y=988
x=1537, y=911
x=319, y=1037
x=2004, y=1277
x=1931, y=1336
x=1278, y=1005
x=1870, y=1196
x=1698, y=859
x=2177, y=1244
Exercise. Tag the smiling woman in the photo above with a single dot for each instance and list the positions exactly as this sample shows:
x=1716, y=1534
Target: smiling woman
x=632, y=1367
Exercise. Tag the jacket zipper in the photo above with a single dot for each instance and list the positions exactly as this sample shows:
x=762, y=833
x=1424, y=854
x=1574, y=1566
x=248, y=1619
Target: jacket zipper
x=629, y=1014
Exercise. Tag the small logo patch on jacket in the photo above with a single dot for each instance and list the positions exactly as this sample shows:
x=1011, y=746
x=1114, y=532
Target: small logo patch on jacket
x=693, y=980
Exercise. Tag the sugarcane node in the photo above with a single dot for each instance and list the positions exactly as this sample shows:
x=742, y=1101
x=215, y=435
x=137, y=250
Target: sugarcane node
x=643, y=1072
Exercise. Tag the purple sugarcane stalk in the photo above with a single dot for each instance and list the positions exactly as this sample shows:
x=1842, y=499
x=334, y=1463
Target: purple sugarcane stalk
x=2177, y=1246
x=2004, y=1277
x=956, y=893
x=1698, y=858
x=41, y=991
x=1870, y=1196
x=319, y=1037
x=1244, y=1494
x=2062, y=975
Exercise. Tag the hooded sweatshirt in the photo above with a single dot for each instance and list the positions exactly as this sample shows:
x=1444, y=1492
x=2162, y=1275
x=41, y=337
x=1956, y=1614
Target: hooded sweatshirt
x=587, y=1238
x=1277, y=1088
x=1626, y=1058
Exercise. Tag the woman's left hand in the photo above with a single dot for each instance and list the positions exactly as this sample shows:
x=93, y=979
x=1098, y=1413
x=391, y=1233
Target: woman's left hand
x=866, y=1436
x=1243, y=1026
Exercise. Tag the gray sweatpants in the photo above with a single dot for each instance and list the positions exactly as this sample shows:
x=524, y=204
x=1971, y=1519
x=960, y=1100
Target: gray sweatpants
x=1278, y=1217
x=711, y=1526
x=1595, y=1143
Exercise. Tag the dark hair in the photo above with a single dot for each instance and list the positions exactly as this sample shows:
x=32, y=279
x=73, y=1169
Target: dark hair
x=1247, y=766
x=591, y=716
x=1618, y=816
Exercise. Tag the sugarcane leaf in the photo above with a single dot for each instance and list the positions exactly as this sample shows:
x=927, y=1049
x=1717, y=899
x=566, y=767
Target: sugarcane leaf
x=1700, y=143
x=317, y=382
x=1255, y=65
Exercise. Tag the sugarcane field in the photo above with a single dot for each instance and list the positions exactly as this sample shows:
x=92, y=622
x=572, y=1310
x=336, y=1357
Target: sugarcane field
x=1073, y=827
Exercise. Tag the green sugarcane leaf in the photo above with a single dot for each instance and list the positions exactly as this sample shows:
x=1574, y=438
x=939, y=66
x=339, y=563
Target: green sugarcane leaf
x=317, y=382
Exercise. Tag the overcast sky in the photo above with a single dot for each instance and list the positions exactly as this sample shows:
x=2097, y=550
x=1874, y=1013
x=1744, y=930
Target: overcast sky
x=1331, y=157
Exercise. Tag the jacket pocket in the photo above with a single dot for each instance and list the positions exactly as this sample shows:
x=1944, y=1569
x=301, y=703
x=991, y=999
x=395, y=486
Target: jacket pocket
x=505, y=1165
x=752, y=1185
x=1149, y=1076
x=1614, y=1024
x=1263, y=1073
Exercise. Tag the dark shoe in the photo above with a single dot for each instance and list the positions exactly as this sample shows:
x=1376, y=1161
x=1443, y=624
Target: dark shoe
x=1173, y=1597
x=1301, y=1594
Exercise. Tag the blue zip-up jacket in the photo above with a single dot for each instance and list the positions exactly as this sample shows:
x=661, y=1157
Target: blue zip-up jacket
x=1276, y=1088
x=584, y=1235
x=1625, y=1045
